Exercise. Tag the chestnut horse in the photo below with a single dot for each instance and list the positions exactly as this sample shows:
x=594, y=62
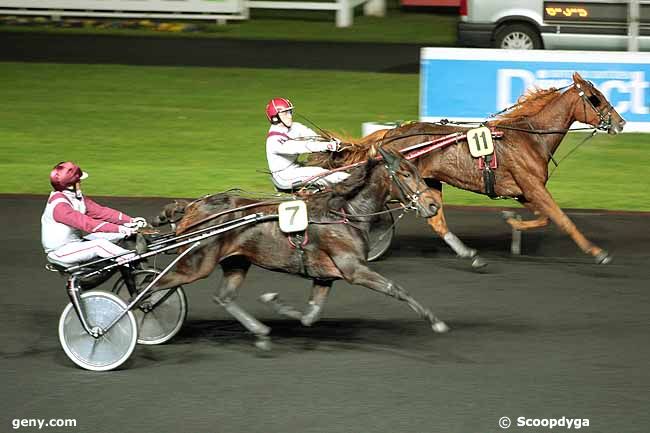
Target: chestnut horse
x=532, y=131
x=334, y=245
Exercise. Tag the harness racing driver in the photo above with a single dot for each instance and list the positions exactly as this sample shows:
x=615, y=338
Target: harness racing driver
x=68, y=214
x=286, y=140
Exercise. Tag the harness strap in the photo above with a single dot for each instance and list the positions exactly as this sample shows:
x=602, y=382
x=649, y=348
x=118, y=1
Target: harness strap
x=217, y=215
x=302, y=244
x=300, y=248
x=489, y=161
x=489, y=180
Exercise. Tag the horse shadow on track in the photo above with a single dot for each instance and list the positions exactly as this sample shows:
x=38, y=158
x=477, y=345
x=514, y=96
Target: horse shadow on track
x=410, y=339
x=412, y=245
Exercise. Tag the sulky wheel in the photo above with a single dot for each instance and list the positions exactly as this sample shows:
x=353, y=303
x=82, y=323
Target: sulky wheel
x=108, y=351
x=160, y=315
x=381, y=235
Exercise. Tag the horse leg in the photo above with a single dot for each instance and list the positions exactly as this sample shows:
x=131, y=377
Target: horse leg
x=234, y=273
x=540, y=199
x=517, y=225
x=439, y=225
x=319, y=294
x=358, y=273
x=273, y=300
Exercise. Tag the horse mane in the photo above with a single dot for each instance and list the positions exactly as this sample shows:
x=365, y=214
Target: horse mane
x=209, y=204
x=355, y=150
x=528, y=104
x=343, y=191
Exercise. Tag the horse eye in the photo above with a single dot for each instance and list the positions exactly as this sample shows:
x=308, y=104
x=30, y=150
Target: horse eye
x=595, y=101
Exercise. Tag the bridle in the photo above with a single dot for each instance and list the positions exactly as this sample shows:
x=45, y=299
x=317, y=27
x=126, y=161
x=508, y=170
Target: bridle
x=407, y=196
x=593, y=101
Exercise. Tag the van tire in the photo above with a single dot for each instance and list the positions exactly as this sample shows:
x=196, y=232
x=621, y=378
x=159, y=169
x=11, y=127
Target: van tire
x=518, y=36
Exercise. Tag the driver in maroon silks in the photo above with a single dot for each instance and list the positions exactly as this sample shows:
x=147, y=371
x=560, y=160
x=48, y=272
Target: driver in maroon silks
x=74, y=228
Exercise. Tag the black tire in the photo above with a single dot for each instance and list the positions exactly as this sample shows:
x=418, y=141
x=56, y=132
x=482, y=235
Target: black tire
x=162, y=323
x=518, y=37
x=381, y=234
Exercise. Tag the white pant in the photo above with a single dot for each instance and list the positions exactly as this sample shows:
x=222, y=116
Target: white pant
x=286, y=178
x=98, y=245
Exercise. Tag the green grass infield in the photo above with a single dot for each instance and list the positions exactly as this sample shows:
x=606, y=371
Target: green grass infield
x=185, y=132
x=415, y=27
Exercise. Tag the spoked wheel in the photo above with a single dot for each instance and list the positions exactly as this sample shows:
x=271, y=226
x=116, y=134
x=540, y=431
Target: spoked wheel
x=160, y=315
x=381, y=235
x=107, y=351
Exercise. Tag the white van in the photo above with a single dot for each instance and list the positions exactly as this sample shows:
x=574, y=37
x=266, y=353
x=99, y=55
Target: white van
x=538, y=24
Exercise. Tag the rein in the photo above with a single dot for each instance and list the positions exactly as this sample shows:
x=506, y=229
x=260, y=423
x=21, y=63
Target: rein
x=545, y=131
x=345, y=215
x=584, y=140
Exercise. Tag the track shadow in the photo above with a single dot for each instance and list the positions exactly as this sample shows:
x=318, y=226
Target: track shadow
x=411, y=339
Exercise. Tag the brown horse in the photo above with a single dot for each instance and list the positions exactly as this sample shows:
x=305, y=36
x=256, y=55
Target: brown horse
x=532, y=131
x=334, y=245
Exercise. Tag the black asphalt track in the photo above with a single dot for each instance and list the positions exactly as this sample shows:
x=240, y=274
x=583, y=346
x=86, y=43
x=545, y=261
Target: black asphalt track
x=170, y=51
x=545, y=335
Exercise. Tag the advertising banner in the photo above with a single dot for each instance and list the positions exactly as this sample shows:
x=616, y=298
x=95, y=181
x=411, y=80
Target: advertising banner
x=470, y=84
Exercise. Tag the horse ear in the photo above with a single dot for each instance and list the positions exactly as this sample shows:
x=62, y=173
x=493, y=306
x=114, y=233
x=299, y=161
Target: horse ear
x=372, y=152
x=577, y=78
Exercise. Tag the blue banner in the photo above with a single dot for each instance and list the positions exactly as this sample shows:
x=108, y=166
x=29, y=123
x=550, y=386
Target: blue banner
x=471, y=84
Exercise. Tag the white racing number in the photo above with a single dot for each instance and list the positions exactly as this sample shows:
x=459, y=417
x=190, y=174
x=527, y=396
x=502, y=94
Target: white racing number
x=480, y=142
x=293, y=216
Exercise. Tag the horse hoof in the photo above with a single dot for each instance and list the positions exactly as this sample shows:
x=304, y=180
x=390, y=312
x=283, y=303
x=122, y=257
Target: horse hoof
x=268, y=297
x=603, y=258
x=263, y=343
x=440, y=327
x=478, y=262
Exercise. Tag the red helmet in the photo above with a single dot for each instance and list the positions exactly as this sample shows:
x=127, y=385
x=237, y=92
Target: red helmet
x=65, y=175
x=277, y=105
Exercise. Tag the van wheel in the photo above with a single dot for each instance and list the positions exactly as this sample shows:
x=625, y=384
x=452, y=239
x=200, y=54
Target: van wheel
x=518, y=37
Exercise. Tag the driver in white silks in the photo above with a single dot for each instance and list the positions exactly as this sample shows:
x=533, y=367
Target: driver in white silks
x=286, y=140
x=68, y=215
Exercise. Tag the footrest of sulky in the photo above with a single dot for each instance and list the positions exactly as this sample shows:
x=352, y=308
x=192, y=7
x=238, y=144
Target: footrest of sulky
x=53, y=267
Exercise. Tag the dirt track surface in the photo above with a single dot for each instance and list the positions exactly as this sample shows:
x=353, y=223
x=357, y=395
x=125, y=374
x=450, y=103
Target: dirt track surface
x=169, y=51
x=545, y=335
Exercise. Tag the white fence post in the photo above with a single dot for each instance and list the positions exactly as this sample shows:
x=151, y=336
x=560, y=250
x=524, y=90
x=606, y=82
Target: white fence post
x=376, y=8
x=633, y=26
x=344, y=13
